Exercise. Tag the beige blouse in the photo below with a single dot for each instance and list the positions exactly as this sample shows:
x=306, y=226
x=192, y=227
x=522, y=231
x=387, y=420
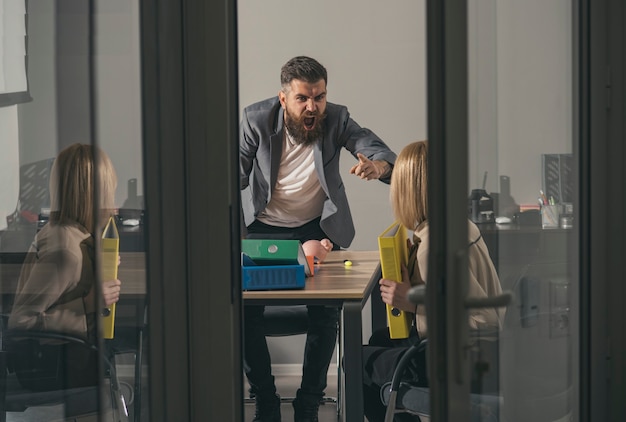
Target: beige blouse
x=483, y=279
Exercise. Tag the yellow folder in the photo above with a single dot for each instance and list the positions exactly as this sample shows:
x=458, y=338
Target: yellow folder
x=109, y=263
x=393, y=253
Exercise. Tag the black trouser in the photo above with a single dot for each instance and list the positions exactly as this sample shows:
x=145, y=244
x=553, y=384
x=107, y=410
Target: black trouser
x=321, y=335
x=321, y=338
x=380, y=359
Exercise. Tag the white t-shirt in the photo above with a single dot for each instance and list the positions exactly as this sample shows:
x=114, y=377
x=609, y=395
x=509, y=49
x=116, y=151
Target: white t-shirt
x=298, y=196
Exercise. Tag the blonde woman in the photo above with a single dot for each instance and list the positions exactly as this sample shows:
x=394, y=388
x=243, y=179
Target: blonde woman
x=57, y=286
x=409, y=200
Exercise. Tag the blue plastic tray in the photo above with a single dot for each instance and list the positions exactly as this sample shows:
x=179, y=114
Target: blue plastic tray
x=272, y=277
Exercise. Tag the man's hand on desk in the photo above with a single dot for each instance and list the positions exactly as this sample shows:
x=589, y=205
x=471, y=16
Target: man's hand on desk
x=396, y=294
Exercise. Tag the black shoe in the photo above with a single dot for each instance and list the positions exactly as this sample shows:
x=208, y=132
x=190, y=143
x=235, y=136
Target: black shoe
x=267, y=409
x=305, y=410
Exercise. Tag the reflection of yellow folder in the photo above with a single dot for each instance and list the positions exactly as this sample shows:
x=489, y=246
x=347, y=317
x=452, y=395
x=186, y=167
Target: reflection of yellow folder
x=393, y=253
x=109, y=262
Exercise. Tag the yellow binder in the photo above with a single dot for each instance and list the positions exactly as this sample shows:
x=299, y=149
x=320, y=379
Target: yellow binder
x=393, y=253
x=109, y=263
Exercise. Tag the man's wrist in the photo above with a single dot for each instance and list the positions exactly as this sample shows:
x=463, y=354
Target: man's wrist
x=384, y=168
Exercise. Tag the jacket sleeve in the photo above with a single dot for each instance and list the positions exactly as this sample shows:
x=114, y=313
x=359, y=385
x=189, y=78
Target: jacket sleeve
x=357, y=139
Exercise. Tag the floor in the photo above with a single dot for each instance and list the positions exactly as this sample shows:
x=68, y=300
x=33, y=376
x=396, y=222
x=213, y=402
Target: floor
x=287, y=386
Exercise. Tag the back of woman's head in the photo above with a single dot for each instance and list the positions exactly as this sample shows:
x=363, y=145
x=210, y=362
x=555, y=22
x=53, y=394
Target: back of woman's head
x=409, y=186
x=81, y=173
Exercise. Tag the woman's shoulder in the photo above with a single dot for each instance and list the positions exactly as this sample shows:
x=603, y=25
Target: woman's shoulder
x=473, y=231
x=61, y=238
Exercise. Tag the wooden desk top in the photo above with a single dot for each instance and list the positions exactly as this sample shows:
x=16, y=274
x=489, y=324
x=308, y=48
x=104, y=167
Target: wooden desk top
x=332, y=280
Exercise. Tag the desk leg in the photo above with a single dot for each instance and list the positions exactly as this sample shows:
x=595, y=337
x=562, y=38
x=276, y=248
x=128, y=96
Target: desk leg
x=353, y=375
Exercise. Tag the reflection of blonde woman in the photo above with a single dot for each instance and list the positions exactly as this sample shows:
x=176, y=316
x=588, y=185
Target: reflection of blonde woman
x=409, y=200
x=56, y=289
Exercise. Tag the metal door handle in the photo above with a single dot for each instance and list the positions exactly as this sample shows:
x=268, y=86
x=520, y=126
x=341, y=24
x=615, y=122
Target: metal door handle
x=417, y=295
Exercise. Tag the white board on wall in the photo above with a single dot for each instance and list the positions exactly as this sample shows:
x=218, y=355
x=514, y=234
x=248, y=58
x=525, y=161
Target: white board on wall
x=9, y=163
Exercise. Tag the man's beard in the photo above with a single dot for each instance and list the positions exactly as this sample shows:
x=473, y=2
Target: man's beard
x=301, y=136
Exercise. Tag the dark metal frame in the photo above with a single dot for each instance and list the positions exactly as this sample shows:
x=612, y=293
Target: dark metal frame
x=190, y=109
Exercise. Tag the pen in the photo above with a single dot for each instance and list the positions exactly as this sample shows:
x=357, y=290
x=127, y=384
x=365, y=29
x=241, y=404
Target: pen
x=543, y=197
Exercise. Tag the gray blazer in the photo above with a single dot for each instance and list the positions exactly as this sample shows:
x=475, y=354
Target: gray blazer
x=260, y=147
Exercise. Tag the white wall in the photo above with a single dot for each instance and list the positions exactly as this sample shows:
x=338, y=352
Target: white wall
x=9, y=164
x=118, y=94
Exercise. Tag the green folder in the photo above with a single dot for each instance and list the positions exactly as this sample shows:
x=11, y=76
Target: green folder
x=276, y=252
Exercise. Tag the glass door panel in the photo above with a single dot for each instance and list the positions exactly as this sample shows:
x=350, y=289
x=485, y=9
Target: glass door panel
x=82, y=72
x=521, y=165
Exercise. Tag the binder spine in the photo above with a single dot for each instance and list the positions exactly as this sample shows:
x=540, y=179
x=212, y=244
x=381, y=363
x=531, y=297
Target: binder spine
x=109, y=263
x=392, y=251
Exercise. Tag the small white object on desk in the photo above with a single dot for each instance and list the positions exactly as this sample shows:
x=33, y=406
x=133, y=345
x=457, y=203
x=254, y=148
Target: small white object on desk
x=503, y=220
x=131, y=222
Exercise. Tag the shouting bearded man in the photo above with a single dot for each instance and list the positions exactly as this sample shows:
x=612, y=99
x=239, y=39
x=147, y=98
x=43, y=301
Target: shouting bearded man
x=289, y=150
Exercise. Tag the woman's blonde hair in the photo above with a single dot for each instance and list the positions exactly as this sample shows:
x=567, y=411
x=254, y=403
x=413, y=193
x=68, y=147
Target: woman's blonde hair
x=79, y=173
x=409, y=185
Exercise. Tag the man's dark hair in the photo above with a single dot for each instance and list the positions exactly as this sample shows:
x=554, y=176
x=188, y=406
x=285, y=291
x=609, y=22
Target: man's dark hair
x=302, y=68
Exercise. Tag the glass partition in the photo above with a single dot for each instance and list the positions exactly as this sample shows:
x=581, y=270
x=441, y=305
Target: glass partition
x=522, y=171
x=68, y=335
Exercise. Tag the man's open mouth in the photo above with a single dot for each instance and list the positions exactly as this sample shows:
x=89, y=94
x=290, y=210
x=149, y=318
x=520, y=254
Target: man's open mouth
x=309, y=123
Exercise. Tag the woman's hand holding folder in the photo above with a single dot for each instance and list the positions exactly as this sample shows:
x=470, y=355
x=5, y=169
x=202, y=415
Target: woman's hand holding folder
x=396, y=294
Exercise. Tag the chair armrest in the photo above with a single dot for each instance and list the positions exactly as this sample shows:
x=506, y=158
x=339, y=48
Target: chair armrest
x=404, y=362
x=397, y=377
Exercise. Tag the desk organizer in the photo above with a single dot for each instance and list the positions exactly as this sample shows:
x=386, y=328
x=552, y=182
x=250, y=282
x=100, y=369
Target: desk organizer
x=270, y=277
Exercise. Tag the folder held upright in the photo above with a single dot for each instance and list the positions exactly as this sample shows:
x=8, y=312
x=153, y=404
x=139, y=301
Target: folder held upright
x=109, y=263
x=393, y=253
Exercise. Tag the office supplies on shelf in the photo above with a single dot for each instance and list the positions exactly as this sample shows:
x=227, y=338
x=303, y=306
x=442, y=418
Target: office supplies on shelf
x=558, y=179
x=393, y=252
x=550, y=216
x=480, y=205
x=109, y=262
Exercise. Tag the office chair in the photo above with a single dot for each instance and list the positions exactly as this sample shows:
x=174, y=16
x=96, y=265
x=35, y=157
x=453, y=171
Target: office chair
x=403, y=396
x=78, y=401
x=281, y=321
x=16, y=397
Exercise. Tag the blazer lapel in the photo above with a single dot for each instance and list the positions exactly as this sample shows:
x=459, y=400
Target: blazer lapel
x=276, y=149
x=319, y=164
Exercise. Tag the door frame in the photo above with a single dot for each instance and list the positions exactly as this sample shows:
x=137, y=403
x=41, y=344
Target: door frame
x=447, y=201
x=190, y=124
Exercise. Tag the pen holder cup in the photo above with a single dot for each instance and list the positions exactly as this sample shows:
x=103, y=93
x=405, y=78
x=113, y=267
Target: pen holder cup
x=550, y=216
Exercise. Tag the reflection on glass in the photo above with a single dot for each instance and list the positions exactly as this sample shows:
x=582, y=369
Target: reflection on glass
x=50, y=267
x=521, y=148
